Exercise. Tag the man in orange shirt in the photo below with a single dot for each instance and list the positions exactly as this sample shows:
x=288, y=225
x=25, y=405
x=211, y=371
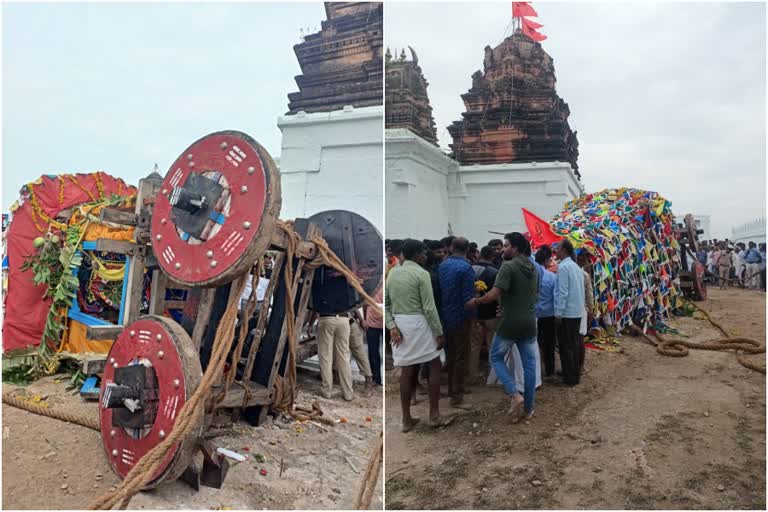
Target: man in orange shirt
x=374, y=322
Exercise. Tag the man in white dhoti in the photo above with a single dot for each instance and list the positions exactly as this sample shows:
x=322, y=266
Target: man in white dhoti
x=415, y=330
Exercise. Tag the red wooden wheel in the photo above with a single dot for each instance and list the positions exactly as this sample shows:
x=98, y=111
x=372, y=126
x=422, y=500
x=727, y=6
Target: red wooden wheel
x=216, y=210
x=172, y=366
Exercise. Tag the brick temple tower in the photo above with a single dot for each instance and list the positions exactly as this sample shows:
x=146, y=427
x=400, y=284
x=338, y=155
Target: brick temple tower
x=513, y=113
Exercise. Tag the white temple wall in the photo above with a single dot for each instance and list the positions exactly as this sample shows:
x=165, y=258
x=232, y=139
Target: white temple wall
x=416, y=187
x=332, y=161
x=490, y=197
x=428, y=193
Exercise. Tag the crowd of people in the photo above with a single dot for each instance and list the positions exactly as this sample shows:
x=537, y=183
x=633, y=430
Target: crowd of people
x=447, y=301
x=740, y=264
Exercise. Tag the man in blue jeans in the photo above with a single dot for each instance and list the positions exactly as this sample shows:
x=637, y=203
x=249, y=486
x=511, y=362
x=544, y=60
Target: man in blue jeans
x=517, y=287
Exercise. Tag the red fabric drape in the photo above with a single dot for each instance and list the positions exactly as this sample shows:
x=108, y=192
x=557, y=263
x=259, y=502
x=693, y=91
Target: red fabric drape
x=25, y=309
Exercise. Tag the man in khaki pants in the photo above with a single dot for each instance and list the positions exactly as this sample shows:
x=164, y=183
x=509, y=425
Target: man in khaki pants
x=333, y=343
x=360, y=350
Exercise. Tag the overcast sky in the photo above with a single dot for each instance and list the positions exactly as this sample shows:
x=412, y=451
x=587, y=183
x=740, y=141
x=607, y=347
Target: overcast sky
x=665, y=97
x=118, y=87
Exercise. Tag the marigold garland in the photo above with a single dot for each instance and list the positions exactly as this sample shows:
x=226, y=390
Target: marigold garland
x=99, y=184
x=61, y=190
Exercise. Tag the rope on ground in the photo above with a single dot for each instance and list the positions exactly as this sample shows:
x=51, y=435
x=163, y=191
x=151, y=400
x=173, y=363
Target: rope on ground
x=85, y=421
x=680, y=348
x=371, y=477
x=147, y=466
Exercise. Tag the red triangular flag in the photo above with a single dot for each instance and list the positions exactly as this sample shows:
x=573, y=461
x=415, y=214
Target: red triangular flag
x=536, y=36
x=531, y=24
x=540, y=230
x=520, y=9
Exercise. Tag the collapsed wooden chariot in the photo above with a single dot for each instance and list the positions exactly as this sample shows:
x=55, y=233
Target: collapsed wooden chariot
x=204, y=228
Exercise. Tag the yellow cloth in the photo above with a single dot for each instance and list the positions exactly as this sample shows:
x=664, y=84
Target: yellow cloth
x=76, y=342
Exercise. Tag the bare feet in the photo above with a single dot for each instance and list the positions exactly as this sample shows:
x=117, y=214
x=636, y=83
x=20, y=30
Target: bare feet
x=409, y=424
x=516, y=407
x=441, y=421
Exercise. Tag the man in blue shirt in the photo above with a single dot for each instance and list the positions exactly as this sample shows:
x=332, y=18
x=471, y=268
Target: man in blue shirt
x=545, y=311
x=457, y=288
x=569, y=307
x=753, y=260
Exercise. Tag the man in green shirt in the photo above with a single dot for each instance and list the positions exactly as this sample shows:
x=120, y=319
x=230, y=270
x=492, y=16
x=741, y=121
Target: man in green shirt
x=517, y=287
x=415, y=329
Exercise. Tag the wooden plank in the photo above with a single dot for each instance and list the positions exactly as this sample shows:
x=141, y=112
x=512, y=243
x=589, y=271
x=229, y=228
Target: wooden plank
x=203, y=316
x=89, y=391
x=275, y=370
x=135, y=289
x=103, y=332
x=145, y=197
x=157, y=297
x=92, y=366
x=261, y=323
x=257, y=395
x=118, y=216
x=116, y=246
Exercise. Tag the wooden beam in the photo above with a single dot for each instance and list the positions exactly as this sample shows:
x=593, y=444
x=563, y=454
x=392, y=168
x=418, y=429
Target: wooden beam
x=135, y=289
x=116, y=246
x=261, y=323
x=116, y=216
x=203, y=316
x=236, y=395
x=103, y=332
x=304, y=249
x=157, y=295
x=92, y=366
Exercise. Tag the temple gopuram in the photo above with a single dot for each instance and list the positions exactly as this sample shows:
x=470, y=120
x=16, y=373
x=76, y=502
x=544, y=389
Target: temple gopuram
x=343, y=63
x=406, y=104
x=513, y=113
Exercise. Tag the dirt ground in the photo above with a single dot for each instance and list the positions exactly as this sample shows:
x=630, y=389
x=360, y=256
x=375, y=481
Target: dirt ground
x=641, y=431
x=49, y=464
